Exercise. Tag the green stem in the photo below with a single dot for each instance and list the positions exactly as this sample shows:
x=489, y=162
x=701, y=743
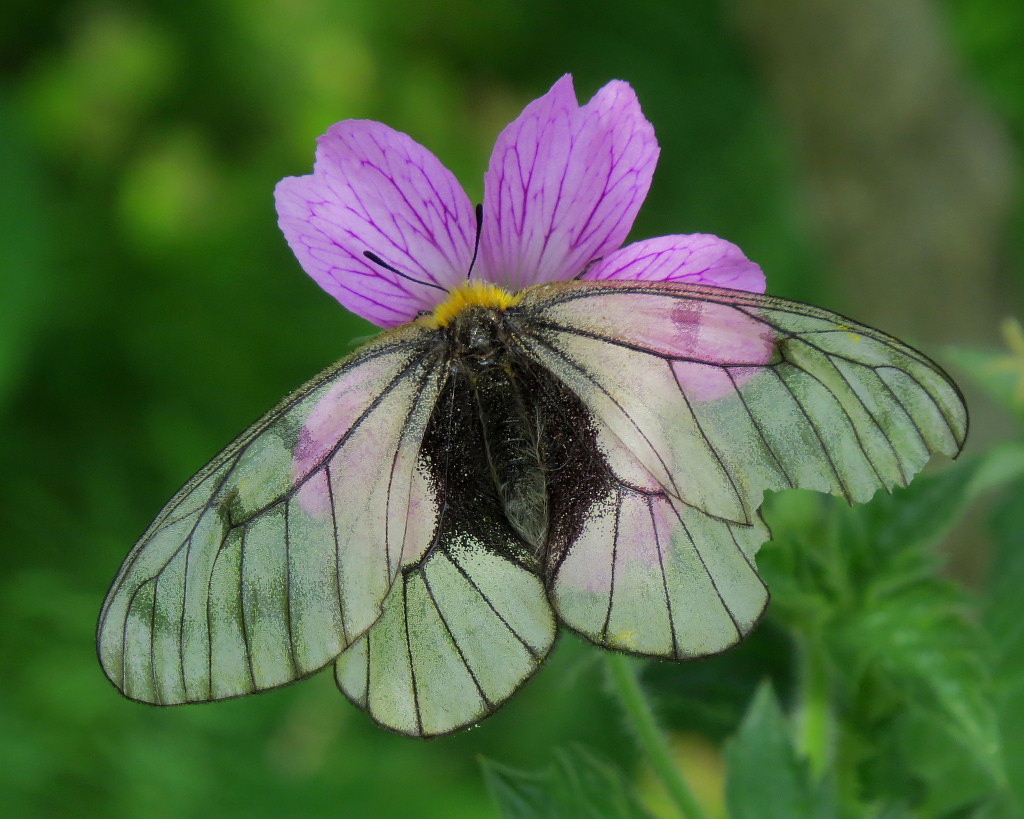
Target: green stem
x=652, y=740
x=814, y=711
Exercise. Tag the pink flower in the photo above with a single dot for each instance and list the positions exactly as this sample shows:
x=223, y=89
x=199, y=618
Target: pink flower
x=563, y=187
x=388, y=231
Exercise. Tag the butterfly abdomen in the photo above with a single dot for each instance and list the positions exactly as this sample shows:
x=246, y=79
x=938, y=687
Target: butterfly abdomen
x=511, y=441
x=509, y=422
x=511, y=435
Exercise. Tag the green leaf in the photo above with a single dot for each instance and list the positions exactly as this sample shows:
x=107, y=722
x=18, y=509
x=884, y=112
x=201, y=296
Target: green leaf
x=519, y=794
x=765, y=776
x=1003, y=600
x=918, y=659
x=826, y=557
x=913, y=635
x=577, y=784
x=908, y=664
x=1005, y=624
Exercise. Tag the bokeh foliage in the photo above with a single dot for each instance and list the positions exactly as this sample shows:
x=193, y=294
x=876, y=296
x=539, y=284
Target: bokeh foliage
x=149, y=309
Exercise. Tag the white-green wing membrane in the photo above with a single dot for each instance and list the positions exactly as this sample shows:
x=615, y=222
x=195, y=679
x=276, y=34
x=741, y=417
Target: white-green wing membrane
x=703, y=399
x=458, y=636
x=278, y=555
x=722, y=394
x=653, y=576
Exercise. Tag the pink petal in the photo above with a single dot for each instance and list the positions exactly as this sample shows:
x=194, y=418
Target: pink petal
x=698, y=258
x=375, y=189
x=564, y=184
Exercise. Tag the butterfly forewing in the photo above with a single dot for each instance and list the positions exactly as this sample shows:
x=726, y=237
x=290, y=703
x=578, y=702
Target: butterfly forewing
x=765, y=386
x=278, y=555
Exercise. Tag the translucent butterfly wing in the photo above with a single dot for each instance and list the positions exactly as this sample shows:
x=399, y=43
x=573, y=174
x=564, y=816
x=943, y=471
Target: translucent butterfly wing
x=653, y=576
x=459, y=635
x=703, y=399
x=278, y=554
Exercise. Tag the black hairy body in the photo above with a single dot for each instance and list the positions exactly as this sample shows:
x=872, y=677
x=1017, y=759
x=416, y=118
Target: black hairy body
x=509, y=446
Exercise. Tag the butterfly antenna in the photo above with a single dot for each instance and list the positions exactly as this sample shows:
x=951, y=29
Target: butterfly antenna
x=476, y=243
x=586, y=268
x=373, y=257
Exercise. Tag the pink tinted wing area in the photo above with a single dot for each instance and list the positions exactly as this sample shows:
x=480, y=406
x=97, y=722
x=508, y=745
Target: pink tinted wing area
x=564, y=184
x=722, y=395
x=356, y=469
x=717, y=347
x=376, y=189
x=355, y=479
x=652, y=576
x=647, y=359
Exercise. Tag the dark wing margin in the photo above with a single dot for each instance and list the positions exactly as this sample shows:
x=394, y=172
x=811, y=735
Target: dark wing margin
x=276, y=556
x=702, y=399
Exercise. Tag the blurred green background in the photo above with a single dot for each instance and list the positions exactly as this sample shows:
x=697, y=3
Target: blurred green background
x=867, y=154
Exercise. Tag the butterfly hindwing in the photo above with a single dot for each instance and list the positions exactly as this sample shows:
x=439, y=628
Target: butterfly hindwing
x=469, y=622
x=459, y=635
x=278, y=554
x=644, y=572
x=652, y=576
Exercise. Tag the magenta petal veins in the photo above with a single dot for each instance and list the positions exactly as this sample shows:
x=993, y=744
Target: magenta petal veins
x=375, y=189
x=564, y=185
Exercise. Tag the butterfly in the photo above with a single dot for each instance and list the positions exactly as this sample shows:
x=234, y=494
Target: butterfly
x=589, y=452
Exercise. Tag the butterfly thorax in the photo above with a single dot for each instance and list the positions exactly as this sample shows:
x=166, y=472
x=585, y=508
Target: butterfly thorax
x=491, y=375
x=467, y=297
